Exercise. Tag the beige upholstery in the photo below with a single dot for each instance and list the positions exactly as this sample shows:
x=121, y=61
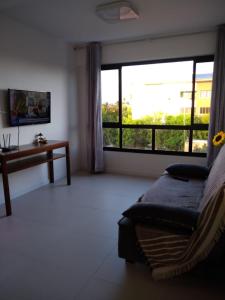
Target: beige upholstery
x=216, y=178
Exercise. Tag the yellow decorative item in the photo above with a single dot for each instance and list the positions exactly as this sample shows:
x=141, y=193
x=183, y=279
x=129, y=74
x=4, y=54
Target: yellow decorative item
x=219, y=138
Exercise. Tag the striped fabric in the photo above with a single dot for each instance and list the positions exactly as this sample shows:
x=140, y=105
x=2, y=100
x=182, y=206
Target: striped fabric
x=171, y=254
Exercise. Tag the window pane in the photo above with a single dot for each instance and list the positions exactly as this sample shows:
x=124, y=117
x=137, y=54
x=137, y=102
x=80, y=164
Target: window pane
x=157, y=93
x=172, y=140
x=137, y=138
x=111, y=137
x=110, y=95
x=200, y=141
x=203, y=90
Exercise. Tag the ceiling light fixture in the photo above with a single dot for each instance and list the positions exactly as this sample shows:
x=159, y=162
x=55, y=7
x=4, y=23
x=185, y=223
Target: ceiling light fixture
x=116, y=11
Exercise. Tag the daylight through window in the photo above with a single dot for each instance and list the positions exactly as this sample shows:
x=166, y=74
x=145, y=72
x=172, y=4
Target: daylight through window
x=157, y=107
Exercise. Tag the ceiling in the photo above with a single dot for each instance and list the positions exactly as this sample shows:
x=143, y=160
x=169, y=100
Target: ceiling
x=75, y=21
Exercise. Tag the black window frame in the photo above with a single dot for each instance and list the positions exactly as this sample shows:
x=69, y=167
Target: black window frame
x=191, y=128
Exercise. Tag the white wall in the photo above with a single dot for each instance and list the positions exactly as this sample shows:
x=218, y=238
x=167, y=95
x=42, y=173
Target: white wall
x=173, y=47
x=31, y=60
x=139, y=164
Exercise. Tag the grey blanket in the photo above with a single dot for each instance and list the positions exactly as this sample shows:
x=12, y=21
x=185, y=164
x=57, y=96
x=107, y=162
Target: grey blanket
x=173, y=192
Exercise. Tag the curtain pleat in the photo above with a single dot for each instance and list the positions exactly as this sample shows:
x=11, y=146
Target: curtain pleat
x=95, y=132
x=217, y=112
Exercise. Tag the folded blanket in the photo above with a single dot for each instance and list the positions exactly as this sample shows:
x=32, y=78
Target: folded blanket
x=170, y=254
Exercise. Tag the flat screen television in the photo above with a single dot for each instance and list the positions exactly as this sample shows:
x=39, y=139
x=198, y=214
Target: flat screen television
x=29, y=107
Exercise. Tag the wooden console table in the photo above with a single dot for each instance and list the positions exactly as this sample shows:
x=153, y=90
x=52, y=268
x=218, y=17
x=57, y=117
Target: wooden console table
x=29, y=156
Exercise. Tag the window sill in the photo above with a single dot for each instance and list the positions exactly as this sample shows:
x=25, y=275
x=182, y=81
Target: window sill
x=157, y=152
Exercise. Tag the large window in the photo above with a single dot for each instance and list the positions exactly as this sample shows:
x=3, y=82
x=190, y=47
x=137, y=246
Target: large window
x=157, y=107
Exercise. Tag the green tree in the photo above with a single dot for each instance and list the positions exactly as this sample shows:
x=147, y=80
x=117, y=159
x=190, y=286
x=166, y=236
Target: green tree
x=110, y=112
x=170, y=140
x=111, y=137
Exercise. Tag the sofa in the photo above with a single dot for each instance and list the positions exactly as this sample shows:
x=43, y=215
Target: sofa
x=179, y=221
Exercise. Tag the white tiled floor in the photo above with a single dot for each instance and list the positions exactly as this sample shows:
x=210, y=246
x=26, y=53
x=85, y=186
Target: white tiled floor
x=61, y=243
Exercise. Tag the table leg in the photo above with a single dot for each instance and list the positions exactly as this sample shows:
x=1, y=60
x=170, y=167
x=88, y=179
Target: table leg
x=68, y=165
x=50, y=166
x=6, y=188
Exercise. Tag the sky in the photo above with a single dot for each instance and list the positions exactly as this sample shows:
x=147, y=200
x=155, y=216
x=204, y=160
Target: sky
x=154, y=87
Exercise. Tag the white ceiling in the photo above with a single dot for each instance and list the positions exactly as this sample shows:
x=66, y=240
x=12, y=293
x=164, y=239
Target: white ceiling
x=75, y=20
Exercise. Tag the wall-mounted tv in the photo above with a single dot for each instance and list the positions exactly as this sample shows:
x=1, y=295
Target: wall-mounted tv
x=29, y=107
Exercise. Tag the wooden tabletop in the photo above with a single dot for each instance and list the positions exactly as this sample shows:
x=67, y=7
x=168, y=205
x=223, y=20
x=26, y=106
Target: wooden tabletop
x=30, y=149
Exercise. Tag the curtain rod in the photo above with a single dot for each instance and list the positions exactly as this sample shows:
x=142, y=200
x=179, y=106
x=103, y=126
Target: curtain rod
x=146, y=38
